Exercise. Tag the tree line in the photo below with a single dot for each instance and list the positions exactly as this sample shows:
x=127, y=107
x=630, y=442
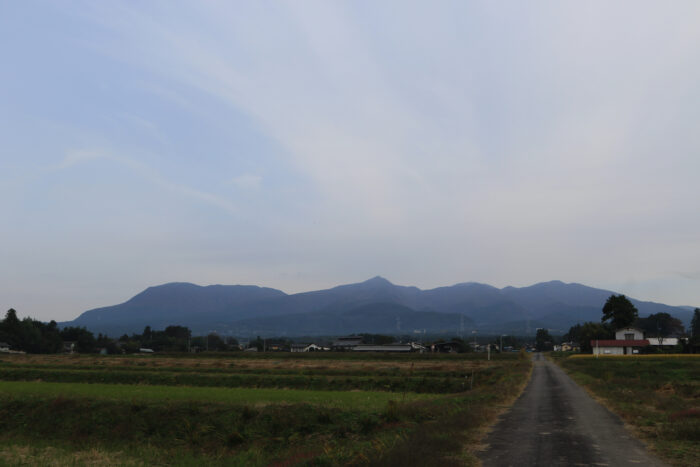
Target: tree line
x=32, y=336
x=619, y=312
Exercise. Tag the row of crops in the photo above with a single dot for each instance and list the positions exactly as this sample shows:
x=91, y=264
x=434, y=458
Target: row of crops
x=258, y=411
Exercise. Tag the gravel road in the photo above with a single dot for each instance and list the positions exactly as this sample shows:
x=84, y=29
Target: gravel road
x=555, y=422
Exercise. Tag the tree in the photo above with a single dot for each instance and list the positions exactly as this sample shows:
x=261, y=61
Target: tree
x=695, y=325
x=147, y=335
x=10, y=328
x=178, y=332
x=695, y=331
x=85, y=340
x=584, y=333
x=619, y=311
x=543, y=341
x=573, y=335
x=660, y=325
x=215, y=342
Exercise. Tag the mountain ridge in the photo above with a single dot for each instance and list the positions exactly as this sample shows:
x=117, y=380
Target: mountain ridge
x=374, y=305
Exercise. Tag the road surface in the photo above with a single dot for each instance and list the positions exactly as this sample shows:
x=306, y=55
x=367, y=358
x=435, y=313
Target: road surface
x=555, y=422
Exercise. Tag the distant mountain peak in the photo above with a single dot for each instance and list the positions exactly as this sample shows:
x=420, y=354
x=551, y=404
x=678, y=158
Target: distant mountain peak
x=377, y=280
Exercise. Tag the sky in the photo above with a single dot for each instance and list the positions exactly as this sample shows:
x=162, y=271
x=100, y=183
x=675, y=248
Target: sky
x=305, y=144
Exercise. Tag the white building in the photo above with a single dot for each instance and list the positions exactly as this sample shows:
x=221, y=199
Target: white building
x=627, y=341
x=629, y=334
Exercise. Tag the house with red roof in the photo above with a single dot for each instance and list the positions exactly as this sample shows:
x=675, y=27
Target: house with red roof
x=627, y=341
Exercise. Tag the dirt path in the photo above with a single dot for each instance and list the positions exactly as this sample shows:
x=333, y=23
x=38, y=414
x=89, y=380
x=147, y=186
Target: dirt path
x=555, y=422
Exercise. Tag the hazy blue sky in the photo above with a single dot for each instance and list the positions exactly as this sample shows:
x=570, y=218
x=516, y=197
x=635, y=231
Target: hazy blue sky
x=301, y=145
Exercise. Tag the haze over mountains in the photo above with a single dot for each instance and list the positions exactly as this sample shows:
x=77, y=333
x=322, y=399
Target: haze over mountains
x=375, y=306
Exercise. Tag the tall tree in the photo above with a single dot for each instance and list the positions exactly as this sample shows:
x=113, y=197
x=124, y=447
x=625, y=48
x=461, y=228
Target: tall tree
x=85, y=340
x=695, y=323
x=660, y=325
x=10, y=328
x=619, y=311
x=695, y=327
x=591, y=331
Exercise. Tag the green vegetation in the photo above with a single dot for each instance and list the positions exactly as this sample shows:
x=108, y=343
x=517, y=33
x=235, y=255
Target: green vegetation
x=422, y=381
x=587, y=332
x=178, y=423
x=358, y=400
x=619, y=311
x=658, y=396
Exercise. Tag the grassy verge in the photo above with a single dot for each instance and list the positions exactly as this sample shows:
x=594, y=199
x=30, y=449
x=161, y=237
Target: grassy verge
x=659, y=396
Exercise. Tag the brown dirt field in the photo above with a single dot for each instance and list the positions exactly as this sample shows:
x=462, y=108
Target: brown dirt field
x=262, y=364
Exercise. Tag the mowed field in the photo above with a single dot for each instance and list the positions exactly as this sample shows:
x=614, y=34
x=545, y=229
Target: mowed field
x=243, y=409
x=657, y=396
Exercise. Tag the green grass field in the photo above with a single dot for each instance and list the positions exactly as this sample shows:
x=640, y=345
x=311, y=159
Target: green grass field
x=248, y=411
x=657, y=395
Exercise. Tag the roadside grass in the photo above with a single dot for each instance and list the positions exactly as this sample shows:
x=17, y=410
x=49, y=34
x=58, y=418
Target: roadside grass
x=659, y=396
x=80, y=423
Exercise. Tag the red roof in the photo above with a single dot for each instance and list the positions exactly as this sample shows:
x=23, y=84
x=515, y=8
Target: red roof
x=620, y=343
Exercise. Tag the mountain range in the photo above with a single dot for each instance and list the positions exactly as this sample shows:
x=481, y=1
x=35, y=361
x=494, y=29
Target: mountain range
x=374, y=306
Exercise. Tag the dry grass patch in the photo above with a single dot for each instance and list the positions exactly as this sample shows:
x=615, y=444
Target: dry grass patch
x=301, y=364
x=51, y=456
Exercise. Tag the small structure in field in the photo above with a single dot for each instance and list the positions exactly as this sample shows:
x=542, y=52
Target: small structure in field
x=4, y=347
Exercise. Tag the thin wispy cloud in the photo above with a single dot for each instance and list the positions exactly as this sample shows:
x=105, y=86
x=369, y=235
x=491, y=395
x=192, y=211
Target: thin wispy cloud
x=76, y=157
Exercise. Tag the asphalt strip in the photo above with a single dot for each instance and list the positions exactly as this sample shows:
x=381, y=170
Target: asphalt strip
x=556, y=423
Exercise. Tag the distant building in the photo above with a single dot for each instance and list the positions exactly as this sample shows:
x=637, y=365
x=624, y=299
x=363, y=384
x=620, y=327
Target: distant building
x=307, y=348
x=566, y=347
x=446, y=347
x=627, y=341
x=346, y=343
x=402, y=348
x=664, y=341
x=629, y=334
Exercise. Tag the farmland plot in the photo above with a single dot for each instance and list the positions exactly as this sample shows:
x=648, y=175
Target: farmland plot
x=324, y=410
